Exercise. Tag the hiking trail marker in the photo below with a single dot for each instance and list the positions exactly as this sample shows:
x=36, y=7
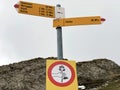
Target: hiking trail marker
x=39, y=9
x=61, y=75
x=77, y=21
x=58, y=13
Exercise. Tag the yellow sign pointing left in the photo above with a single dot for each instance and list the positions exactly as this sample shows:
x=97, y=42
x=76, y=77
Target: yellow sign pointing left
x=36, y=9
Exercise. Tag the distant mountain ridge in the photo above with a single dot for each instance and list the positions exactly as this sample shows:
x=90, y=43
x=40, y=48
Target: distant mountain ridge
x=97, y=74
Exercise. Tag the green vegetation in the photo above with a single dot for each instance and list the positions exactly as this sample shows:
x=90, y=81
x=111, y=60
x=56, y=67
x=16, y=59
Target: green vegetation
x=115, y=85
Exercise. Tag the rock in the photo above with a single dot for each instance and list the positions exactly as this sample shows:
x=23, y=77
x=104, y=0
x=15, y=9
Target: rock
x=30, y=75
x=95, y=73
x=27, y=75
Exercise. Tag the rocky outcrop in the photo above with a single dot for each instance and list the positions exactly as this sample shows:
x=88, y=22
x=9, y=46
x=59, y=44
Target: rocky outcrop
x=27, y=75
x=30, y=75
x=96, y=73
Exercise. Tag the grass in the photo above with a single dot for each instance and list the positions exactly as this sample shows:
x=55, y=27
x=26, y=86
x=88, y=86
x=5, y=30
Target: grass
x=115, y=85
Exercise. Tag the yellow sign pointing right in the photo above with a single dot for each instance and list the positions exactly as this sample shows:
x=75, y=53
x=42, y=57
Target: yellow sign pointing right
x=77, y=21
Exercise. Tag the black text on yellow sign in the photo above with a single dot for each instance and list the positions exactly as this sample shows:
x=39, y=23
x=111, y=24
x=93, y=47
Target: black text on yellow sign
x=77, y=21
x=36, y=9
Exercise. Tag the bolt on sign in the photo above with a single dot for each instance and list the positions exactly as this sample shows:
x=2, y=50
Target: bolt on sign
x=36, y=9
x=61, y=75
x=77, y=21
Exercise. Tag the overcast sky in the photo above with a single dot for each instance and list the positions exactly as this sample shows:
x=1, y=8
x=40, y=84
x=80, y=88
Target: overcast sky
x=24, y=37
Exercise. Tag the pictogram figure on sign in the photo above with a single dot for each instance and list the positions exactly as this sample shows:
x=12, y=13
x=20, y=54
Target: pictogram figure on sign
x=61, y=73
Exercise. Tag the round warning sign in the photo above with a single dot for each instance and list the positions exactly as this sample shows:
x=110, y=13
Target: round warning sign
x=61, y=73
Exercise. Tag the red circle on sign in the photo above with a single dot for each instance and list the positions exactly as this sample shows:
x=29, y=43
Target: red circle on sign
x=57, y=83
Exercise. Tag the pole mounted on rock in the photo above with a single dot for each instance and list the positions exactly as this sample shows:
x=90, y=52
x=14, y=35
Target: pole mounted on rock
x=59, y=40
x=58, y=13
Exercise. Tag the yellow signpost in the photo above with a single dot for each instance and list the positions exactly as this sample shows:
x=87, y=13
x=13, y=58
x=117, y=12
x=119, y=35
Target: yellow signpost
x=61, y=75
x=77, y=21
x=36, y=9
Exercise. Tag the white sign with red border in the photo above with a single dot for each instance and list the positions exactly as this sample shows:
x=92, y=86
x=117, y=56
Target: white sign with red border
x=61, y=74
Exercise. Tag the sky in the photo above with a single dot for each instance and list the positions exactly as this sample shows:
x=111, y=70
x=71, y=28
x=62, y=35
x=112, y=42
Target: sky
x=23, y=37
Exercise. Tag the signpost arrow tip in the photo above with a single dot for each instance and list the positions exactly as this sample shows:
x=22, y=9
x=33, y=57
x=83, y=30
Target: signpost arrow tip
x=16, y=5
x=103, y=19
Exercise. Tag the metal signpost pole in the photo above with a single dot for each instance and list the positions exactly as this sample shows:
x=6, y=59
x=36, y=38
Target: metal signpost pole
x=59, y=41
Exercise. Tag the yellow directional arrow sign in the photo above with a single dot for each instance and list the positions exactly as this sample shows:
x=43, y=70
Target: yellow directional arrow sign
x=77, y=21
x=36, y=9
